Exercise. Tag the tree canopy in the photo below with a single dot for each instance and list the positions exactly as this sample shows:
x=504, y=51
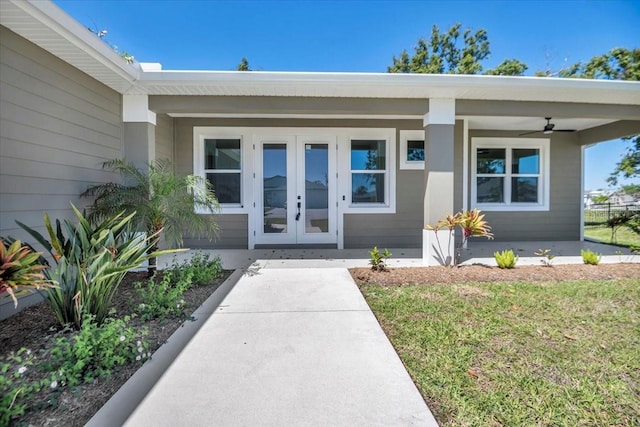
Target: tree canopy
x=446, y=53
x=243, y=65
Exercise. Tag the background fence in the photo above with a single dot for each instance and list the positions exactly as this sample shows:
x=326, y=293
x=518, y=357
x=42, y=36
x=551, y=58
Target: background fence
x=599, y=214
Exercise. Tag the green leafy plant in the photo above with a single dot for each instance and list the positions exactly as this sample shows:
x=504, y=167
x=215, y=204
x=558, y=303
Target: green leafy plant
x=590, y=257
x=163, y=296
x=547, y=257
x=91, y=261
x=202, y=267
x=16, y=384
x=21, y=268
x=471, y=224
x=378, y=260
x=160, y=201
x=506, y=259
x=95, y=350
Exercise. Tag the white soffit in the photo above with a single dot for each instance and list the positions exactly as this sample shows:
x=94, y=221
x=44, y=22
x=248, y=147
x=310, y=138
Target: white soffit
x=49, y=27
x=46, y=25
x=532, y=123
x=386, y=85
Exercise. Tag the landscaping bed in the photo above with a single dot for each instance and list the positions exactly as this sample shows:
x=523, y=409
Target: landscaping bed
x=533, y=345
x=36, y=328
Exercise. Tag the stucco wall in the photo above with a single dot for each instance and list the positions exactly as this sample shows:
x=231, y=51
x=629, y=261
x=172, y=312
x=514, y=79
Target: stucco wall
x=57, y=125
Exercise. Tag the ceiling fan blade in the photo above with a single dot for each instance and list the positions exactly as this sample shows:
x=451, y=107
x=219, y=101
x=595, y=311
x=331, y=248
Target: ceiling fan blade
x=529, y=133
x=564, y=130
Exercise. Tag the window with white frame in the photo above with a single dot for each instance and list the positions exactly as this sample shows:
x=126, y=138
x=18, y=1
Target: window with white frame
x=369, y=172
x=510, y=174
x=223, y=168
x=412, y=149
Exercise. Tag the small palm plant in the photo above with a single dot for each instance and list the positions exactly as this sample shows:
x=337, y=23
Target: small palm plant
x=162, y=201
x=20, y=268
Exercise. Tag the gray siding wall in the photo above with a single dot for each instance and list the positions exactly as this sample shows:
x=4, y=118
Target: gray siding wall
x=57, y=125
x=402, y=229
x=164, y=137
x=562, y=221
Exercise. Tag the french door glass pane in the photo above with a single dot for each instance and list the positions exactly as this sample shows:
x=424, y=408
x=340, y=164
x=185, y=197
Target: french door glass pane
x=490, y=190
x=525, y=160
x=226, y=186
x=367, y=188
x=274, y=167
x=316, y=188
x=491, y=160
x=524, y=190
x=415, y=150
x=368, y=155
x=222, y=154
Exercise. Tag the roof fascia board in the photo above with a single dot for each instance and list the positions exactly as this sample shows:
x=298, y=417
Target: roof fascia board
x=385, y=85
x=51, y=16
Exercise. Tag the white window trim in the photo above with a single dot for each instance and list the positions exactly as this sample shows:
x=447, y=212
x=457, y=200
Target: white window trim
x=405, y=136
x=509, y=144
x=384, y=134
x=200, y=134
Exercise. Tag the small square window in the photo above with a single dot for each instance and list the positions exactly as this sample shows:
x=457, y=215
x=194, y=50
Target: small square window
x=412, y=149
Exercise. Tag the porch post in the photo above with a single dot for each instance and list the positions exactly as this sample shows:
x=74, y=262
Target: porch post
x=139, y=135
x=438, y=197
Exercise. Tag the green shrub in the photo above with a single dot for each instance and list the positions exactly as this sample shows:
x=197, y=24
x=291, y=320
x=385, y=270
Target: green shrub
x=91, y=261
x=17, y=387
x=506, y=259
x=202, y=268
x=378, y=260
x=590, y=257
x=95, y=350
x=163, y=297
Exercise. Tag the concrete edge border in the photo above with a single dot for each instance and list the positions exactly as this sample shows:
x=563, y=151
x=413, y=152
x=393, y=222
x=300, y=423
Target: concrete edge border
x=122, y=404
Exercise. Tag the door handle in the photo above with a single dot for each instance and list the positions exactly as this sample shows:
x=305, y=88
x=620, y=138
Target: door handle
x=298, y=214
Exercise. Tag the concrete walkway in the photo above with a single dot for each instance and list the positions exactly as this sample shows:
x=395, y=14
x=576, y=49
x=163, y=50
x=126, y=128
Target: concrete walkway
x=287, y=347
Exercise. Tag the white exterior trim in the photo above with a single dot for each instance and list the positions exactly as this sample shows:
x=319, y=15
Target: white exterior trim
x=200, y=133
x=405, y=136
x=582, y=169
x=508, y=143
x=299, y=116
x=135, y=109
x=441, y=112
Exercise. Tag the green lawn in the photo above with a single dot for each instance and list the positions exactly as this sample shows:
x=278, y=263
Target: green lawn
x=519, y=354
x=624, y=236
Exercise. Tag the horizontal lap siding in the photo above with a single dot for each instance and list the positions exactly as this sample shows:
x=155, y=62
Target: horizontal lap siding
x=233, y=234
x=562, y=221
x=57, y=126
x=402, y=229
x=164, y=137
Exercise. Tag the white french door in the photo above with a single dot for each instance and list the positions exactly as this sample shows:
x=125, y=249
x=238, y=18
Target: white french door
x=295, y=189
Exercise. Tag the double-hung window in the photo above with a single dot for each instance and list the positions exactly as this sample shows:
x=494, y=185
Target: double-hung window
x=223, y=169
x=510, y=174
x=369, y=171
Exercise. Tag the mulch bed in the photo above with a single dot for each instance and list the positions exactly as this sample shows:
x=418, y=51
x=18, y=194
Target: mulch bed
x=34, y=327
x=480, y=273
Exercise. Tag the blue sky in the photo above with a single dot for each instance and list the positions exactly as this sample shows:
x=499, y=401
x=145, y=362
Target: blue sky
x=361, y=36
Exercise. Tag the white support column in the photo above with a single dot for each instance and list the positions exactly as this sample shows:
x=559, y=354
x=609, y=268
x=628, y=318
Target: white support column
x=139, y=130
x=439, y=125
